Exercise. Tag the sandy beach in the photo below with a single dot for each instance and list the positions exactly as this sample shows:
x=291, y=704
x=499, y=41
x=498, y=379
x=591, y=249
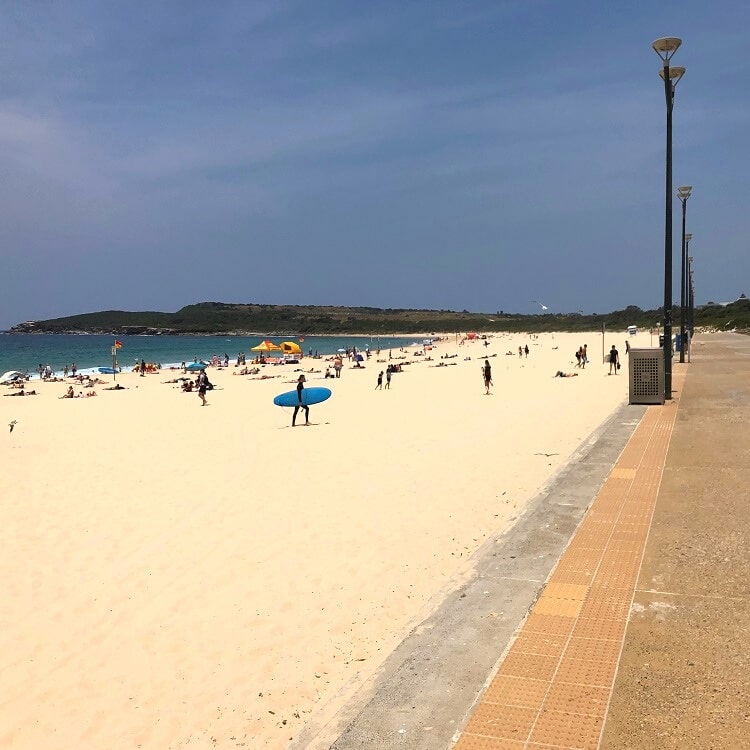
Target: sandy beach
x=186, y=576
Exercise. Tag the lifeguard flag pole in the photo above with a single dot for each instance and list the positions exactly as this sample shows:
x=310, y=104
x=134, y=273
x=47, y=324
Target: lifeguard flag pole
x=117, y=345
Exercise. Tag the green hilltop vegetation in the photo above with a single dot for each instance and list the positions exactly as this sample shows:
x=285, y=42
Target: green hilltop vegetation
x=227, y=319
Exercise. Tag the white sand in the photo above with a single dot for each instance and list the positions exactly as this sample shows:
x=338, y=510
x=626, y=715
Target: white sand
x=182, y=576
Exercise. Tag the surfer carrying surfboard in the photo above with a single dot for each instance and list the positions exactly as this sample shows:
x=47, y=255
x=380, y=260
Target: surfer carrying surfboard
x=300, y=405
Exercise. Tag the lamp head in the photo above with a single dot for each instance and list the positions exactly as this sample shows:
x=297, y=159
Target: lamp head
x=666, y=47
x=688, y=237
x=675, y=73
x=683, y=192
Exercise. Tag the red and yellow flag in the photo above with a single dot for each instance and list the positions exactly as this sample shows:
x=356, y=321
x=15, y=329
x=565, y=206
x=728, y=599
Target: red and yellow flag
x=118, y=344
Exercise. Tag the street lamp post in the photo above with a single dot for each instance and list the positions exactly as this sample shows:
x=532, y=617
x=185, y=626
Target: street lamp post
x=666, y=48
x=683, y=193
x=688, y=329
x=691, y=303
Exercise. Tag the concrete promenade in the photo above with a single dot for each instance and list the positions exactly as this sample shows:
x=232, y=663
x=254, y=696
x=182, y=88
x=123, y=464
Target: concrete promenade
x=615, y=613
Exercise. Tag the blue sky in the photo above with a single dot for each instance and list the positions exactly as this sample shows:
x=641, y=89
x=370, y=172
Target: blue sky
x=448, y=155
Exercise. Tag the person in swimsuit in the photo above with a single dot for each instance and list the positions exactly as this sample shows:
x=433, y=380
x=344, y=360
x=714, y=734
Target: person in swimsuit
x=300, y=405
x=614, y=360
x=487, y=373
x=202, y=386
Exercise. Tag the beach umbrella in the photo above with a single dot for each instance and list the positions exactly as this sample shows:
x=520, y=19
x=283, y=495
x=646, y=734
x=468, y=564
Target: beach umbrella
x=10, y=376
x=195, y=366
x=266, y=346
x=341, y=350
x=289, y=347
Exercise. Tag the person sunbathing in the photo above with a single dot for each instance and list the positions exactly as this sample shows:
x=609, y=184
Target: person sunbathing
x=70, y=393
x=561, y=374
x=21, y=393
x=116, y=387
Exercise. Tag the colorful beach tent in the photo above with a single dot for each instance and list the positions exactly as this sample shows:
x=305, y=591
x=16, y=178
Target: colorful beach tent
x=266, y=346
x=289, y=347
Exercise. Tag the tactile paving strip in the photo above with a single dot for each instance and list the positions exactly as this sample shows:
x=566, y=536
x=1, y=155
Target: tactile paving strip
x=553, y=687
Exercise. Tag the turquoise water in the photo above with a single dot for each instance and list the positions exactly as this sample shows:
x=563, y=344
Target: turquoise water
x=25, y=352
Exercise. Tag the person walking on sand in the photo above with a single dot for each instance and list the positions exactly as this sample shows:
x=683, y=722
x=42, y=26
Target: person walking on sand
x=526, y=350
x=388, y=374
x=202, y=386
x=300, y=404
x=379, y=386
x=614, y=360
x=143, y=368
x=487, y=374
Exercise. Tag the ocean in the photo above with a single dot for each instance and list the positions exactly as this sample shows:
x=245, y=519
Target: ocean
x=25, y=352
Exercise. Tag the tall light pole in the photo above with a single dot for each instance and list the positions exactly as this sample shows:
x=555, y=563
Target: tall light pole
x=691, y=302
x=683, y=193
x=688, y=327
x=666, y=48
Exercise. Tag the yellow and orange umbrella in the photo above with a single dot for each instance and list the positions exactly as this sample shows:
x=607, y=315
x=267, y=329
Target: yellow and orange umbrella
x=266, y=346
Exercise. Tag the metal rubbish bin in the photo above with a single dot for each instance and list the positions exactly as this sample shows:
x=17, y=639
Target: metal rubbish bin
x=646, y=373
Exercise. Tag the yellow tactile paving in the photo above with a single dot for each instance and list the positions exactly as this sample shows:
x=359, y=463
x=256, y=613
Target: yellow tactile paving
x=622, y=473
x=553, y=687
x=549, y=605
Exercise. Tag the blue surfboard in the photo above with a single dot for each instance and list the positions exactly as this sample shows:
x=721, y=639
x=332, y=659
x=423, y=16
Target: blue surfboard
x=310, y=396
x=107, y=370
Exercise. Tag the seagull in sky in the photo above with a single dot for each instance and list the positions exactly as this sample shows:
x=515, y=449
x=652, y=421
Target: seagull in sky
x=544, y=307
x=13, y=424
